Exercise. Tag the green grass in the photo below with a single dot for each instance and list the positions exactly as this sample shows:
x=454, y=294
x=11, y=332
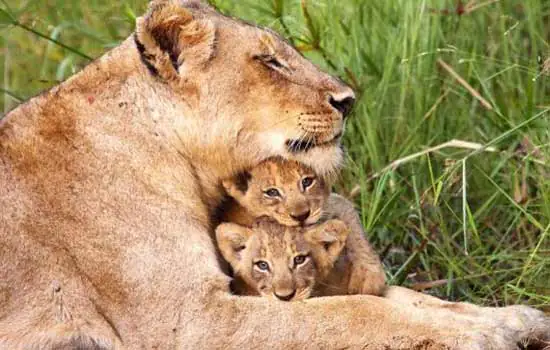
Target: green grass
x=487, y=242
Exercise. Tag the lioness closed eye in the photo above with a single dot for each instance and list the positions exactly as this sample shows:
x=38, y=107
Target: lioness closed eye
x=282, y=262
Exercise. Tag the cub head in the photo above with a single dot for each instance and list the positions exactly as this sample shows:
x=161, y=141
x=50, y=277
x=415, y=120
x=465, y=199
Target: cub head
x=244, y=87
x=287, y=191
x=281, y=262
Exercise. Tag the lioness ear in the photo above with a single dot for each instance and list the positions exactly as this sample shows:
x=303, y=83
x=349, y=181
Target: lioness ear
x=331, y=236
x=237, y=185
x=232, y=240
x=170, y=39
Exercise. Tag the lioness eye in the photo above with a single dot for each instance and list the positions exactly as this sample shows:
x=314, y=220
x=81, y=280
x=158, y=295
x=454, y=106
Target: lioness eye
x=307, y=182
x=262, y=265
x=272, y=192
x=300, y=259
x=271, y=61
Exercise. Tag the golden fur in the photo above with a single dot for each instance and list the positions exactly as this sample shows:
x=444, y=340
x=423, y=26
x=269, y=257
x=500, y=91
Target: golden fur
x=358, y=270
x=291, y=204
x=277, y=261
x=108, y=182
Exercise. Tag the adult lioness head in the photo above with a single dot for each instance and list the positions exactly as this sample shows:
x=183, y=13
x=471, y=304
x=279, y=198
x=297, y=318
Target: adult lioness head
x=244, y=86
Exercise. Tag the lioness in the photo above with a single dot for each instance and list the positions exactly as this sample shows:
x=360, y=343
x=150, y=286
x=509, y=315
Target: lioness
x=276, y=261
x=108, y=182
x=292, y=194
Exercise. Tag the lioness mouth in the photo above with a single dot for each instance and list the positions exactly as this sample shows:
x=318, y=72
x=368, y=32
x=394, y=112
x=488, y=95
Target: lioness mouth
x=297, y=146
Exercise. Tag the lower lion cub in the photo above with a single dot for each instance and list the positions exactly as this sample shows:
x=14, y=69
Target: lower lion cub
x=289, y=263
x=297, y=201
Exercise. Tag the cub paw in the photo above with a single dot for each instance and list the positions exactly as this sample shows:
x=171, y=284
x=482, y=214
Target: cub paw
x=367, y=280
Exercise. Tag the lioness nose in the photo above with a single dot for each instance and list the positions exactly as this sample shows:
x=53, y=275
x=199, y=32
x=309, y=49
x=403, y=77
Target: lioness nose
x=342, y=102
x=301, y=217
x=286, y=297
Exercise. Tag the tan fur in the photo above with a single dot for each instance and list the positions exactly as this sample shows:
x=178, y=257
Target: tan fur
x=263, y=257
x=358, y=270
x=292, y=202
x=108, y=182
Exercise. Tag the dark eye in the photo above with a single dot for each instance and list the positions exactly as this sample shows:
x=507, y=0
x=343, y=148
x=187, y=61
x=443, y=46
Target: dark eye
x=272, y=192
x=307, y=182
x=270, y=61
x=273, y=61
x=300, y=259
x=262, y=265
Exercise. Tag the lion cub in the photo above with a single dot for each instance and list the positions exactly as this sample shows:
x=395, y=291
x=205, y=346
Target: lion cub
x=283, y=262
x=287, y=191
x=293, y=195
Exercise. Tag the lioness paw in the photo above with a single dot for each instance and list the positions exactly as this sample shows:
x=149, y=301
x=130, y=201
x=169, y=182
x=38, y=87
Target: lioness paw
x=513, y=327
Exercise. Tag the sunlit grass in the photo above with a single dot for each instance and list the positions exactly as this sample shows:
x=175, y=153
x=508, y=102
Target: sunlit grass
x=467, y=224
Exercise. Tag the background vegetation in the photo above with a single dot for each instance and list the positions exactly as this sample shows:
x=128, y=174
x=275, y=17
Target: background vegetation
x=467, y=222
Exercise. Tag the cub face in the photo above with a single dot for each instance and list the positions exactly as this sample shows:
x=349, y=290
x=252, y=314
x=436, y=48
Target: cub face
x=287, y=191
x=281, y=262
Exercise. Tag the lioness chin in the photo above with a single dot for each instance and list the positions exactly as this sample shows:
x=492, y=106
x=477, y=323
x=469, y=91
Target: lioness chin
x=108, y=182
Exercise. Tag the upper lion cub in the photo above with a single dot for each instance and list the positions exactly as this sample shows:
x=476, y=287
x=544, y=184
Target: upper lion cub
x=293, y=195
x=287, y=191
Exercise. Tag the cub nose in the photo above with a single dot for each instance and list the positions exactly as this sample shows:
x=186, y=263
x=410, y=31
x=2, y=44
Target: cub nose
x=301, y=217
x=342, y=102
x=286, y=297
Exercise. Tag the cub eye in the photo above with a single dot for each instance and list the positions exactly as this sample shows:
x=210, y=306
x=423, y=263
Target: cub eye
x=307, y=182
x=300, y=259
x=262, y=265
x=272, y=192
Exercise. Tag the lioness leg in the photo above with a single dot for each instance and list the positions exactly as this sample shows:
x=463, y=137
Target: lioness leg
x=53, y=319
x=410, y=297
x=367, y=274
x=48, y=308
x=354, y=322
x=512, y=317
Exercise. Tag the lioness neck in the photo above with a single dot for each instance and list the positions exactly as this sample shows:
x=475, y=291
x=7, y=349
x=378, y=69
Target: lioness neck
x=163, y=115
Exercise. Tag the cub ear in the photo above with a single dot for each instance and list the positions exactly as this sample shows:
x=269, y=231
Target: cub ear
x=232, y=240
x=330, y=236
x=237, y=185
x=171, y=39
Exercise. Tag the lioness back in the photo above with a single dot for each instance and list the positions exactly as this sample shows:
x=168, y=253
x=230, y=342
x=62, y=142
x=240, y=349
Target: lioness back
x=276, y=261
